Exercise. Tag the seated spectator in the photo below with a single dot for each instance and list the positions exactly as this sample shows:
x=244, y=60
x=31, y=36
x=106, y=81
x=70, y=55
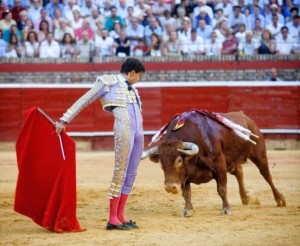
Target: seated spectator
x=241, y=34
x=173, y=46
x=248, y=46
x=3, y=9
x=141, y=49
x=16, y=10
x=105, y=9
x=115, y=33
x=134, y=31
x=34, y=11
x=167, y=31
x=44, y=29
x=31, y=45
x=274, y=10
x=212, y=46
x=122, y=45
x=68, y=46
x=122, y=8
x=286, y=10
x=186, y=5
x=57, y=17
x=181, y=18
x=13, y=30
x=27, y=28
x=86, y=46
x=254, y=16
x=44, y=17
x=204, y=30
x=104, y=44
x=49, y=48
x=158, y=9
x=230, y=45
x=68, y=10
x=85, y=27
x=184, y=33
x=129, y=16
x=153, y=27
x=52, y=6
x=274, y=75
x=285, y=43
x=236, y=19
x=156, y=47
x=257, y=30
x=218, y=18
x=221, y=31
x=294, y=27
x=3, y=45
x=95, y=17
x=168, y=19
x=63, y=28
x=23, y=18
x=77, y=21
x=140, y=9
x=267, y=45
x=13, y=49
x=202, y=6
x=87, y=8
x=194, y=46
x=225, y=6
x=7, y=21
x=275, y=26
x=202, y=16
x=109, y=23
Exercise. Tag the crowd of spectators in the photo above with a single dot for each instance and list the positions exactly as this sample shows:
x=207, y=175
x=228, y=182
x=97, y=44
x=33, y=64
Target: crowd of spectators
x=101, y=28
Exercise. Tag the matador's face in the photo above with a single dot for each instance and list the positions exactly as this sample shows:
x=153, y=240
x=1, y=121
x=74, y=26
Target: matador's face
x=133, y=77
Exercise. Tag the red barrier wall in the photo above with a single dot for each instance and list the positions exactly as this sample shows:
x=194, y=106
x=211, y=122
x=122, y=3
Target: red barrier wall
x=271, y=107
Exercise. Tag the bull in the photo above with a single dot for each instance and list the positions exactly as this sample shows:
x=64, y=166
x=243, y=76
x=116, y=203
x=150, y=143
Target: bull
x=200, y=146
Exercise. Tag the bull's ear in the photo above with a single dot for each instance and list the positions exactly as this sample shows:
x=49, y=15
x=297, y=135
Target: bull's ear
x=154, y=157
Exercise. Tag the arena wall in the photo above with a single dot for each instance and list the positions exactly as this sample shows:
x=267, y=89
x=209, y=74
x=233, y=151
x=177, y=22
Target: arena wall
x=275, y=107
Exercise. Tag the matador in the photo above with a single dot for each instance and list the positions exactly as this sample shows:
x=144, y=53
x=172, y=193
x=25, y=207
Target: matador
x=117, y=95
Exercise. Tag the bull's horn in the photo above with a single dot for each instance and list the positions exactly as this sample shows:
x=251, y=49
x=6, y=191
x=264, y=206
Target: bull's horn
x=189, y=148
x=149, y=152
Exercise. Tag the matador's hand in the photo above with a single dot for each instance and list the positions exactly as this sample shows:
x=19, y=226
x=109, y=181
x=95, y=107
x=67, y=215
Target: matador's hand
x=59, y=127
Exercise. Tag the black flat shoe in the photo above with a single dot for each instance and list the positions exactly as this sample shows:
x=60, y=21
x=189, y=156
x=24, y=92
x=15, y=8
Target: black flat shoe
x=131, y=224
x=117, y=227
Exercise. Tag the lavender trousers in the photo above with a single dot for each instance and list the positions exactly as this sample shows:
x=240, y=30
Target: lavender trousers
x=129, y=141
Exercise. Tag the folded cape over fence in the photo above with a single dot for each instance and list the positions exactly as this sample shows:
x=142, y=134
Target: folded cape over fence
x=46, y=185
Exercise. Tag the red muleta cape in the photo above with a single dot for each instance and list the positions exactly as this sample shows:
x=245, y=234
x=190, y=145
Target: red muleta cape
x=46, y=185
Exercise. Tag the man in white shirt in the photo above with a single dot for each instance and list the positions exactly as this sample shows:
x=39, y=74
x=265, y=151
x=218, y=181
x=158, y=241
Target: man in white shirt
x=204, y=30
x=285, y=44
x=49, y=48
x=159, y=8
x=255, y=15
x=104, y=44
x=275, y=26
x=68, y=9
x=213, y=47
x=248, y=46
x=122, y=8
x=140, y=9
x=193, y=46
x=274, y=10
x=34, y=11
x=134, y=31
x=226, y=7
x=236, y=19
x=294, y=27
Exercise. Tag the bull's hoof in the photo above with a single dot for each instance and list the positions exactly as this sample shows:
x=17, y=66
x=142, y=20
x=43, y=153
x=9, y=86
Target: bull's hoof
x=245, y=200
x=226, y=211
x=281, y=201
x=188, y=212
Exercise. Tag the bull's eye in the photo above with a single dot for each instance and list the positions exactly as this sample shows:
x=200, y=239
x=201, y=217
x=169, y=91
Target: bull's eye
x=178, y=162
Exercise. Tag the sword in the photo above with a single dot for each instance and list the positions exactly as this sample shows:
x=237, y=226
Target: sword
x=59, y=136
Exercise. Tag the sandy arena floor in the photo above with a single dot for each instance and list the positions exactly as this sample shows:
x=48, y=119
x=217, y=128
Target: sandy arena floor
x=159, y=214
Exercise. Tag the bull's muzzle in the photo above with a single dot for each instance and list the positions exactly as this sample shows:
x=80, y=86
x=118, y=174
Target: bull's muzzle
x=172, y=188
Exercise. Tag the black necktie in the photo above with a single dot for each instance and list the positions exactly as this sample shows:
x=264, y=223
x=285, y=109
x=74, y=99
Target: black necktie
x=128, y=85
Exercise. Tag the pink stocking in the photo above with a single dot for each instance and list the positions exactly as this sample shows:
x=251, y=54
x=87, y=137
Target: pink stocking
x=113, y=211
x=123, y=200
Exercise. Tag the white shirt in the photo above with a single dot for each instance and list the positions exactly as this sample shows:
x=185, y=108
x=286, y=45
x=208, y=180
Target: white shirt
x=29, y=48
x=274, y=30
x=247, y=48
x=193, y=46
x=285, y=46
x=212, y=49
x=49, y=50
x=104, y=47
